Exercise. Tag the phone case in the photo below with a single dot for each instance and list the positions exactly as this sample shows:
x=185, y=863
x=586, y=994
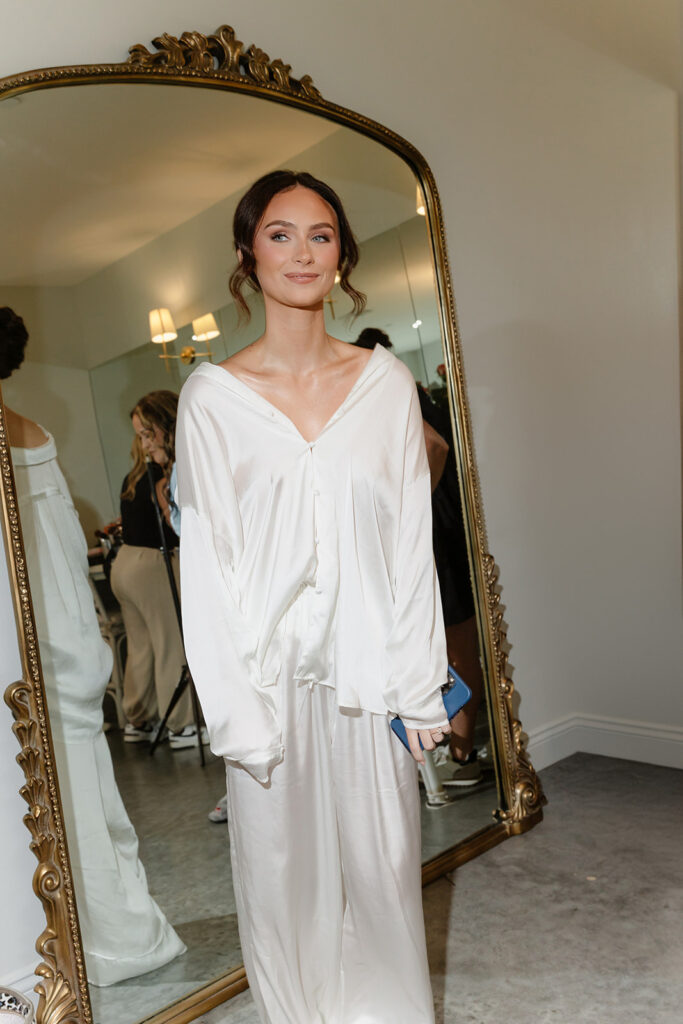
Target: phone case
x=454, y=699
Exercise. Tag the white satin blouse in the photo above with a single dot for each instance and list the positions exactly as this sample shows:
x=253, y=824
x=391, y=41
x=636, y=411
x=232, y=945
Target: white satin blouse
x=342, y=524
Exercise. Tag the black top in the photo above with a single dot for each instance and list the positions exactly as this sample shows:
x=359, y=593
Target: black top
x=448, y=528
x=446, y=505
x=138, y=516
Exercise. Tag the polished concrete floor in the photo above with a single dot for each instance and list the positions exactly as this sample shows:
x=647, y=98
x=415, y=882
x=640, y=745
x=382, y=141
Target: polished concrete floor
x=578, y=922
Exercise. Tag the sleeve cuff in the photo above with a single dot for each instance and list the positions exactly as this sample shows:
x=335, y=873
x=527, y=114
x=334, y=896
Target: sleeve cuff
x=260, y=764
x=412, y=723
x=428, y=713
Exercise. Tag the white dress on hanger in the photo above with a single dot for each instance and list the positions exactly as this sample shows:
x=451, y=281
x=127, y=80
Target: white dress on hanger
x=124, y=932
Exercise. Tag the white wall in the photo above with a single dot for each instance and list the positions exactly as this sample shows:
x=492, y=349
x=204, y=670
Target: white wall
x=557, y=167
x=60, y=398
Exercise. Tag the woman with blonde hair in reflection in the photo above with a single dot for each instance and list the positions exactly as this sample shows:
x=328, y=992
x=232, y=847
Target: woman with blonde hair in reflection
x=140, y=582
x=311, y=616
x=124, y=932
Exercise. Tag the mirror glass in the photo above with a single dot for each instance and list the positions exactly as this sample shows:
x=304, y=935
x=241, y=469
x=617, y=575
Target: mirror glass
x=119, y=200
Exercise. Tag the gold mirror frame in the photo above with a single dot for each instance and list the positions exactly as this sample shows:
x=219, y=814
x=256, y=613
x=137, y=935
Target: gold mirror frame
x=222, y=61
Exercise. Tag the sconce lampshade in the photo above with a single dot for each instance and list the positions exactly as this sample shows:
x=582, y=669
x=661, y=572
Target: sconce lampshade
x=161, y=326
x=204, y=328
x=420, y=203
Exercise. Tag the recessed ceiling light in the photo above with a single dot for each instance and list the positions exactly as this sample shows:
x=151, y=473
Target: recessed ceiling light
x=418, y=323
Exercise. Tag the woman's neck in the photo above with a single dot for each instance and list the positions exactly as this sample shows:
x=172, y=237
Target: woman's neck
x=295, y=340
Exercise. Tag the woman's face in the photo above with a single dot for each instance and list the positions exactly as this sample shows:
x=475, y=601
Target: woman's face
x=151, y=440
x=296, y=248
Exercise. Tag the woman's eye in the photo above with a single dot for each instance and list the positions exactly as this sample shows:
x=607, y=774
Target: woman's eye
x=321, y=238
x=278, y=236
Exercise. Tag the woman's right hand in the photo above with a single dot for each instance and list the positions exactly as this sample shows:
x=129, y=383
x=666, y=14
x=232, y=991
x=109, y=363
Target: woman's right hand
x=429, y=739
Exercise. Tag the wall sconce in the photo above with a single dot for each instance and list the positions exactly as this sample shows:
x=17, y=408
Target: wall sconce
x=420, y=207
x=205, y=328
x=162, y=330
x=161, y=326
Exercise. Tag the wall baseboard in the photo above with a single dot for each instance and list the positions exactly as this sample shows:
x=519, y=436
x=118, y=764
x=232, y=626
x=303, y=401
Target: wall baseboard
x=23, y=981
x=612, y=737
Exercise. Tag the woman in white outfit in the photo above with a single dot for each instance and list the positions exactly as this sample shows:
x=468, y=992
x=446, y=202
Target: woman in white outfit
x=124, y=932
x=311, y=616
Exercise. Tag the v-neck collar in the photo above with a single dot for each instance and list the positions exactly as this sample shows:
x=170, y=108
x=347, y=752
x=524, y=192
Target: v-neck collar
x=224, y=376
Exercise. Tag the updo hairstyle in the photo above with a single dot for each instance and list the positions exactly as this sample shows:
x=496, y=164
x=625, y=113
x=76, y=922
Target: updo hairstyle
x=13, y=338
x=249, y=214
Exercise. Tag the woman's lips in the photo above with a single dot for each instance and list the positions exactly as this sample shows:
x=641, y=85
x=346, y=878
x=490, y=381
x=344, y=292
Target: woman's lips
x=302, y=278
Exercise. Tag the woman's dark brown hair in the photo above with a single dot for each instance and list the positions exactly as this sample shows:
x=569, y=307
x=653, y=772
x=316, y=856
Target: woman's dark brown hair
x=13, y=338
x=157, y=409
x=249, y=214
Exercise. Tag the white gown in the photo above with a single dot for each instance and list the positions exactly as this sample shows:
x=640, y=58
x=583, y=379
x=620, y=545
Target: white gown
x=124, y=932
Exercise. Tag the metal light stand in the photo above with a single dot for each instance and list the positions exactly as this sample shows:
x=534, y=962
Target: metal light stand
x=185, y=676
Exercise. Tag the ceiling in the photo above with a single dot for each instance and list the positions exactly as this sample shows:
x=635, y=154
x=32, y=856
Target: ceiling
x=90, y=174
x=644, y=35
x=117, y=193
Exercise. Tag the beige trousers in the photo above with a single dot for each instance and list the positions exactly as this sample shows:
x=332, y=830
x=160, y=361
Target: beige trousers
x=155, y=651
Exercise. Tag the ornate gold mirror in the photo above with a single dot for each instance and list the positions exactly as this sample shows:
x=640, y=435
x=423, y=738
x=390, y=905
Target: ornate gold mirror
x=120, y=196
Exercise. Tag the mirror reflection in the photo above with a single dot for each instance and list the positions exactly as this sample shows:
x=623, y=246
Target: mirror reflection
x=115, y=240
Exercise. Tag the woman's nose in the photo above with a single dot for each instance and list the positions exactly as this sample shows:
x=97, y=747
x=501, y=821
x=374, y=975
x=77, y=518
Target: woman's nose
x=304, y=253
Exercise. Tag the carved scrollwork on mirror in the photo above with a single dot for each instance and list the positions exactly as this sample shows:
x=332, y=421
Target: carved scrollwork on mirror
x=222, y=54
x=515, y=797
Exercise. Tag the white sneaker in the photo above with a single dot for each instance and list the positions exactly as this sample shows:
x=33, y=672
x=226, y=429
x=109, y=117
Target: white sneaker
x=144, y=733
x=187, y=737
x=220, y=811
x=452, y=773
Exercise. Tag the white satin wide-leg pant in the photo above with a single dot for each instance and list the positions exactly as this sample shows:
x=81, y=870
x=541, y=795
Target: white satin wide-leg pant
x=326, y=869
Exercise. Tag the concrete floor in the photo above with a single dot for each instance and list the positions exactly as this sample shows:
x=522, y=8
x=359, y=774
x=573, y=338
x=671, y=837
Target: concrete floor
x=578, y=922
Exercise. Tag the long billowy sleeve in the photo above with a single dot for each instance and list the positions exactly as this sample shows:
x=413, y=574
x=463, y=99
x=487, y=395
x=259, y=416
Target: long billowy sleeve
x=416, y=648
x=220, y=643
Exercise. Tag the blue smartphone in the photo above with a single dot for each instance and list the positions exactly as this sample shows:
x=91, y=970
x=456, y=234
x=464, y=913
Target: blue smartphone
x=454, y=699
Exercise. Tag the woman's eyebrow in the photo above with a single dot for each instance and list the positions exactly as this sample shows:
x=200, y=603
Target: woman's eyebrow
x=288, y=224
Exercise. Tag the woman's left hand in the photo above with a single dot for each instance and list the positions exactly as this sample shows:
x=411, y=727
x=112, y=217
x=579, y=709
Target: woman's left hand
x=429, y=739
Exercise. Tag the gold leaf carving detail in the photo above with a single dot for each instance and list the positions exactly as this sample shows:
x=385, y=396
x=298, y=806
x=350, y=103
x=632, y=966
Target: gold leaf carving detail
x=197, y=53
x=280, y=72
x=308, y=89
x=258, y=65
x=226, y=49
x=57, y=1002
x=222, y=55
x=527, y=792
